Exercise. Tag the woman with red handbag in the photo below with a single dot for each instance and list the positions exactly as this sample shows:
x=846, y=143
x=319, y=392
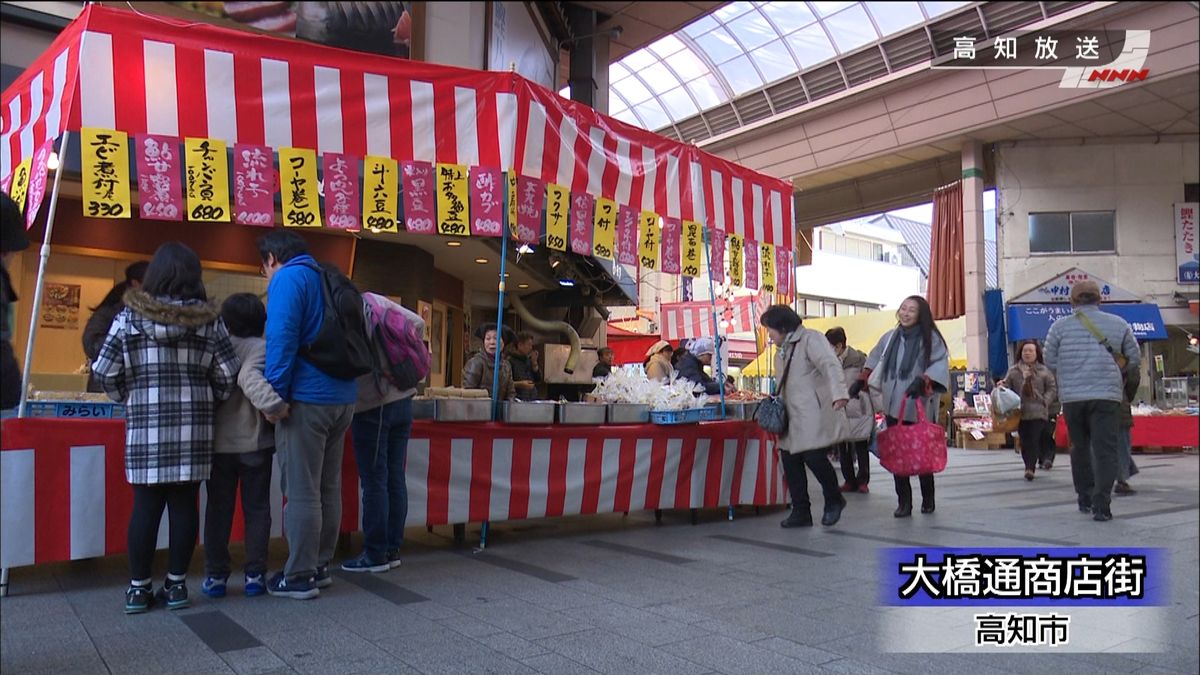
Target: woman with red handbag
x=910, y=364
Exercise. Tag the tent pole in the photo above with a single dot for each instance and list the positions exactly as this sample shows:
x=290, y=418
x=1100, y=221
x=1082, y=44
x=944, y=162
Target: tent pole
x=41, y=275
x=500, y=309
x=712, y=296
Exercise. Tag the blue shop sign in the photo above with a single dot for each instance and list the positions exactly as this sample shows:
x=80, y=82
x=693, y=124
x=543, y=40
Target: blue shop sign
x=1027, y=322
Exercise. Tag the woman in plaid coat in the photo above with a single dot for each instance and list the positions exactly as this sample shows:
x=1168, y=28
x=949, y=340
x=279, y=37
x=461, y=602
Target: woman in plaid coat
x=168, y=358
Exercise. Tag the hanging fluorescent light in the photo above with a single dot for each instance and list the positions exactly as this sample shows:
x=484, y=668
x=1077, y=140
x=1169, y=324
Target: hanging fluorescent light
x=566, y=283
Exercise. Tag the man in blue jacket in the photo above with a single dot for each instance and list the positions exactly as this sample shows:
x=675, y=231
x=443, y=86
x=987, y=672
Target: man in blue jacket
x=1088, y=350
x=310, y=440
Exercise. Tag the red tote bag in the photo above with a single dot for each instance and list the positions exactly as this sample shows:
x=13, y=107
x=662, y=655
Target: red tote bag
x=913, y=449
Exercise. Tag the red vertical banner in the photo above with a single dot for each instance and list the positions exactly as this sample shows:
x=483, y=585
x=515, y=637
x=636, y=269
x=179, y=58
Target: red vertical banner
x=751, y=263
x=342, y=203
x=672, y=229
x=487, y=202
x=253, y=185
x=159, y=184
x=783, y=271
x=530, y=194
x=581, y=223
x=716, y=254
x=627, y=236
x=37, y=181
x=419, y=216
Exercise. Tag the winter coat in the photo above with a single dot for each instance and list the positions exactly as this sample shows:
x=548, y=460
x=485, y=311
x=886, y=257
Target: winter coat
x=860, y=412
x=169, y=361
x=523, y=371
x=240, y=424
x=1133, y=380
x=891, y=388
x=690, y=368
x=94, y=332
x=814, y=382
x=660, y=368
x=10, y=372
x=601, y=369
x=479, y=372
x=295, y=311
x=1035, y=406
x=1085, y=369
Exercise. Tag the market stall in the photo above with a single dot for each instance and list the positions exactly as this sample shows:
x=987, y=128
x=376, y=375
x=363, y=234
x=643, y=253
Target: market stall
x=1171, y=429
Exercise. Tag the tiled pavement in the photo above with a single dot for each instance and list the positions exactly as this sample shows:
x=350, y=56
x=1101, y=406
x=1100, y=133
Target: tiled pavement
x=613, y=594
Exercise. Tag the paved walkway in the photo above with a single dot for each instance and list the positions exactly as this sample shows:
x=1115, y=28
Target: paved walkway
x=614, y=594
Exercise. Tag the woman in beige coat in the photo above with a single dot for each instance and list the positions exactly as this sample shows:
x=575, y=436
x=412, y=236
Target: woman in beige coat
x=658, y=362
x=814, y=394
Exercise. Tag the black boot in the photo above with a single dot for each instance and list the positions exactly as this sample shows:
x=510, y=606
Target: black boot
x=904, y=493
x=927, y=504
x=903, y=511
x=833, y=512
x=799, y=517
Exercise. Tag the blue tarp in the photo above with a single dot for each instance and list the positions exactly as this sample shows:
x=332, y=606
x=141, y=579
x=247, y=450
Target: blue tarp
x=993, y=308
x=1033, y=321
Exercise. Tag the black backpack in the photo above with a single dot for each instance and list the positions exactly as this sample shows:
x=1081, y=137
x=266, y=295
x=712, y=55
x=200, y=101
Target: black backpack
x=341, y=348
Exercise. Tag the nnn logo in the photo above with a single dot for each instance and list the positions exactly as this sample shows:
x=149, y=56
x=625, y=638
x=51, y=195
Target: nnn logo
x=1121, y=75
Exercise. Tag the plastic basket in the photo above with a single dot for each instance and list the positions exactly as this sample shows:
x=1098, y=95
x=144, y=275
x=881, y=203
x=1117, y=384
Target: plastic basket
x=81, y=410
x=710, y=413
x=690, y=416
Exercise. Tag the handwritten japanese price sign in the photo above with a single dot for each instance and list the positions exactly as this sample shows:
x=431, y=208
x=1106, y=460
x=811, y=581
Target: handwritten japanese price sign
x=253, y=185
x=298, y=187
x=716, y=254
x=736, y=260
x=37, y=181
x=604, y=229
x=207, y=180
x=693, y=248
x=582, y=206
x=648, y=244
x=783, y=270
x=20, y=184
x=751, y=265
x=670, y=245
x=419, y=193
x=510, y=179
x=558, y=204
x=105, y=173
x=487, y=207
x=452, y=200
x=341, y=191
x=530, y=193
x=627, y=236
x=159, y=184
x=379, y=193
x=767, y=253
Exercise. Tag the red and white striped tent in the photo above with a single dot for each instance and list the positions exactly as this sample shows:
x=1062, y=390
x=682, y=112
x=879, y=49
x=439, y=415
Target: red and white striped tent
x=115, y=69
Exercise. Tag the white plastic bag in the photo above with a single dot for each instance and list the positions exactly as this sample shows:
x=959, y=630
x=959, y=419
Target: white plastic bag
x=1005, y=400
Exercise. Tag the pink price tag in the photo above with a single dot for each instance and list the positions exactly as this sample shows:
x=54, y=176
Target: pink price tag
x=751, y=265
x=582, y=226
x=671, y=233
x=716, y=254
x=487, y=202
x=37, y=182
x=343, y=207
x=160, y=184
x=419, y=214
x=783, y=271
x=531, y=193
x=254, y=184
x=627, y=236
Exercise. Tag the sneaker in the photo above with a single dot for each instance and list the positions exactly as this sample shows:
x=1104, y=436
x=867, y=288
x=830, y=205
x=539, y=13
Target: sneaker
x=1028, y=474
x=1101, y=515
x=394, y=559
x=139, y=599
x=255, y=585
x=833, y=512
x=863, y=489
x=847, y=487
x=364, y=564
x=798, y=518
x=296, y=589
x=1122, y=488
x=175, y=595
x=214, y=587
x=1085, y=504
x=322, y=578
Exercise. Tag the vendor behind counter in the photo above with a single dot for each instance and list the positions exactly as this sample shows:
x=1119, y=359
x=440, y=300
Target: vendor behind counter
x=479, y=371
x=103, y=314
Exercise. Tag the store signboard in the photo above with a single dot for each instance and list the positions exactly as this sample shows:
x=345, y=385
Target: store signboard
x=1187, y=256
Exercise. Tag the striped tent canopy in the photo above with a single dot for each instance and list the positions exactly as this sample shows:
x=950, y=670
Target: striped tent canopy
x=115, y=69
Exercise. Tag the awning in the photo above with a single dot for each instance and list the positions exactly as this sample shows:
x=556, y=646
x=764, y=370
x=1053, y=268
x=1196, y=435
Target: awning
x=1032, y=322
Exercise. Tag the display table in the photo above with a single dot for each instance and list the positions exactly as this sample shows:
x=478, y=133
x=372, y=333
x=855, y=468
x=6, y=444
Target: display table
x=1151, y=431
x=63, y=494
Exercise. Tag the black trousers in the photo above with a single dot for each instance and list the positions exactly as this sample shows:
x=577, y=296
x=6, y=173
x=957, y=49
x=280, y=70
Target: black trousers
x=850, y=451
x=1093, y=426
x=1049, y=445
x=183, y=514
x=904, y=483
x=1032, y=434
x=251, y=471
x=797, y=478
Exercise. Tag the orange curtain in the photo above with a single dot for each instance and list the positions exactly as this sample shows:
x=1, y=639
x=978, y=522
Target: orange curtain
x=947, y=282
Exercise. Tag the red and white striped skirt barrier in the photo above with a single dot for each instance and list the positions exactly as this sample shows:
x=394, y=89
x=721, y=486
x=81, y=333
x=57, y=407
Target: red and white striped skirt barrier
x=63, y=494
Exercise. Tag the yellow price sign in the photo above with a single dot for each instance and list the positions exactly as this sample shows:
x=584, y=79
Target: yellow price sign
x=380, y=175
x=207, y=180
x=510, y=179
x=692, y=252
x=604, y=231
x=105, y=155
x=298, y=187
x=20, y=183
x=648, y=244
x=736, y=260
x=767, y=256
x=558, y=206
x=452, y=200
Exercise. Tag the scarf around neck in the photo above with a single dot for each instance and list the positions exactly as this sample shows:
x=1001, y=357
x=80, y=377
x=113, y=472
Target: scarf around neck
x=911, y=337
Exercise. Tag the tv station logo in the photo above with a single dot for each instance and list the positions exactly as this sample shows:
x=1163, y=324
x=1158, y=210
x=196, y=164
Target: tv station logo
x=1095, y=59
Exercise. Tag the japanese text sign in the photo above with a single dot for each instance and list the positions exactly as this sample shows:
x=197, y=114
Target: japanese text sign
x=767, y=254
x=452, y=200
x=37, y=181
x=298, y=187
x=418, y=197
x=693, y=248
x=751, y=265
x=487, y=202
x=207, y=180
x=783, y=271
x=253, y=185
x=511, y=181
x=1187, y=256
x=20, y=184
x=380, y=179
x=627, y=236
x=716, y=254
x=605, y=228
x=558, y=204
x=672, y=228
x=736, y=260
x=105, y=173
x=159, y=184
x=648, y=244
x=582, y=205
x=530, y=193
x=341, y=191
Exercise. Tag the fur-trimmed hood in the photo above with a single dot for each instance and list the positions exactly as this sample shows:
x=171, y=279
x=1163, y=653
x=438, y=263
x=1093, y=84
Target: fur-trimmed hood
x=167, y=319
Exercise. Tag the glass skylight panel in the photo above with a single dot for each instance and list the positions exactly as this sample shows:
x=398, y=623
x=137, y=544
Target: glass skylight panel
x=678, y=104
x=732, y=11
x=828, y=8
x=752, y=30
x=893, y=17
x=741, y=75
x=788, y=16
x=701, y=26
x=686, y=64
x=851, y=28
x=719, y=45
x=628, y=117
x=652, y=114
x=935, y=9
x=708, y=91
x=635, y=61
x=669, y=45
x=774, y=61
x=616, y=71
x=633, y=90
x=658, y=77
x=811, y=46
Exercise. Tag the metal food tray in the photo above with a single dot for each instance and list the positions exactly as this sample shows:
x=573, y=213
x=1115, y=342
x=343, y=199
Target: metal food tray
x=582, y=413
x=464, y=410
x=424, y=408
x=628, y=413
x=529, y=412
x=749, y=410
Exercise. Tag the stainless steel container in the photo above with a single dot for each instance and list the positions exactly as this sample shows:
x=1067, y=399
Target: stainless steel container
x=464, y=410
x=582, y=413
x=424, y=408
x=628, y=413
x=735, y=410
x=749, y=408
x=528, y=412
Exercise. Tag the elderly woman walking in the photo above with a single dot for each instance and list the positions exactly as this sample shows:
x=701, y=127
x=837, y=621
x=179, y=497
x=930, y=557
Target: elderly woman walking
x=1038, y=389
x=814, y=395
